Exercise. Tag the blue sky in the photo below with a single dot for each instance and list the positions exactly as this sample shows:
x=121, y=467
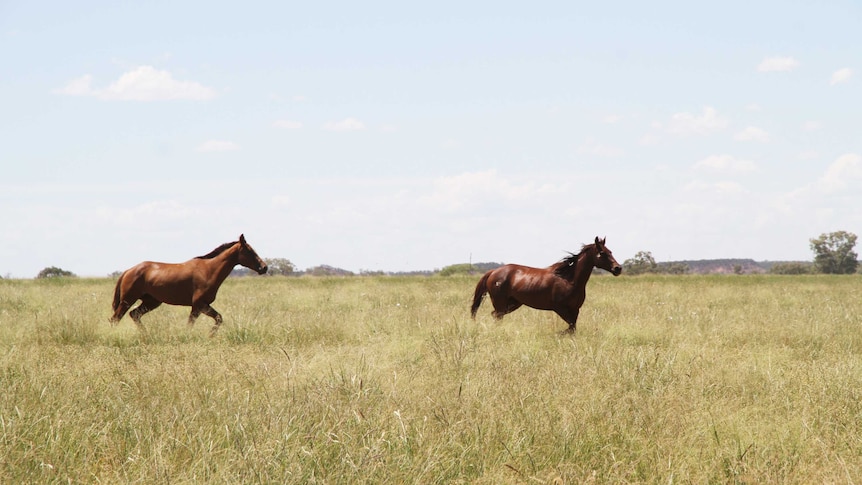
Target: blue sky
x=385, y=136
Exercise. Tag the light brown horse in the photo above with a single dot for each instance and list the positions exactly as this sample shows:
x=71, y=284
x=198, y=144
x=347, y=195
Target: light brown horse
x=560, y=287
x=193, y=283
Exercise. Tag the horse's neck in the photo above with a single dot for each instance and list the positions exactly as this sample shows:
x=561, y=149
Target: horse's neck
x=583, y=270
x=220, y=266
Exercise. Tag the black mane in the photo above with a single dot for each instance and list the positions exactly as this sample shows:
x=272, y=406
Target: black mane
x=566, y=267
x=215, y=252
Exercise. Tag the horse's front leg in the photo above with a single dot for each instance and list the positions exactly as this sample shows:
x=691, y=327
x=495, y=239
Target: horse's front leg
x=212, y=313
x=570, y=316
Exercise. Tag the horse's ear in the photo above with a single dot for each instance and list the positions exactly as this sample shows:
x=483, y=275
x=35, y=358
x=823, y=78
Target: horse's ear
x=242, y=239
x=599, y=242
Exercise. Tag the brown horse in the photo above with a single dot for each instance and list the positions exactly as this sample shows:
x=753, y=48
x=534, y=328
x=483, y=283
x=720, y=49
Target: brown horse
x=193, y=283
x=560, y=287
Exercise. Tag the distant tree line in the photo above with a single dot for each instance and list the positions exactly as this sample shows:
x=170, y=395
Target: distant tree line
x=643, y=262
x=793, y=268
x=833, y=254
x=467, y=269
x=283, y=267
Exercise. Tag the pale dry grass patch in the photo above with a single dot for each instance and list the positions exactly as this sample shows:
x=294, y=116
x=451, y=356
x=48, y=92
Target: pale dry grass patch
x=388, y=380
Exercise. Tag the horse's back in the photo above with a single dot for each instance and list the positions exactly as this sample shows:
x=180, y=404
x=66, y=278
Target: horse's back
x=513, y=272
x=534, y=287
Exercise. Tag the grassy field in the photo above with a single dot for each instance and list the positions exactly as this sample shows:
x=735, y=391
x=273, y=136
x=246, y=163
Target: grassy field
x=692, y=379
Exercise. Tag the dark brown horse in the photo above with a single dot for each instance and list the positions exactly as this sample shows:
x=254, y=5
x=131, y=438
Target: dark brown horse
x=193, y=283
x=560, y=287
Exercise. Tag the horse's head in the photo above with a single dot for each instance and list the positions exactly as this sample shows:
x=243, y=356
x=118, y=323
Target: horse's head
x=605, y=258
x=249, y=258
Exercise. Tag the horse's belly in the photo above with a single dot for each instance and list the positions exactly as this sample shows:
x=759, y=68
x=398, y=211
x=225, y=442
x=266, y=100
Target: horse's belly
x=169, y=288
x=543, y=298
x=538, y=304
x=175, y=300
x=170, y=295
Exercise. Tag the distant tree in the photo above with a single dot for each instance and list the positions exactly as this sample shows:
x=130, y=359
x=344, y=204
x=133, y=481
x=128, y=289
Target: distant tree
x=326, y=270
x=54, y=272
x=792, y=268
x=641, y=263
x=279, y=266
x=485, y=267
x=457, y=269
x=833, y=253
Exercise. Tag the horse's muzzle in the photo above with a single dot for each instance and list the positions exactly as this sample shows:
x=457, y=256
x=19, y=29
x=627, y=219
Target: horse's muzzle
x=617, y=270
x=262, y=269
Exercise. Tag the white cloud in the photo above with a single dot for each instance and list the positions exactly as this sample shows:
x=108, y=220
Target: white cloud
x=287, y=124
x=690, y=124
x=591, y=147
x=469, y=189
x=843, y=178
x=721, y=187
x=841, y=76
x=777, y=64
x=217, y=146
x=649, y=140
x=752, y=133
x=161, y=208
x=77, y=87
x=347, y=124
x=844, y=172
x=725, y=164
x=144, y=83
x=281, y=201
x=727, y=187
x=450, y=144
x=811, y=126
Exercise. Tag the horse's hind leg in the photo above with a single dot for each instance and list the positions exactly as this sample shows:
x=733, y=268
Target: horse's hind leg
x=194, y=316
x=120, y=312
x=148, y=303
x=503, y=305
x=513, y=305
x=500, y=306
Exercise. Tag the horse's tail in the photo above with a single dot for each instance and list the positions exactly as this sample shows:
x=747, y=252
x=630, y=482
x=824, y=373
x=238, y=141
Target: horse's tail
x=116, y=303
x=481, y=289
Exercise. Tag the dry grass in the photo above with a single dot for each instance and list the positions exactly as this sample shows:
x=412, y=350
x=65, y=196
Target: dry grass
x=387, y=380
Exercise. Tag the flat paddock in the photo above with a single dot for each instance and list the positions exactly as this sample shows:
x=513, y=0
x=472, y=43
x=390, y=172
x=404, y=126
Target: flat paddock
x=387, y=380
